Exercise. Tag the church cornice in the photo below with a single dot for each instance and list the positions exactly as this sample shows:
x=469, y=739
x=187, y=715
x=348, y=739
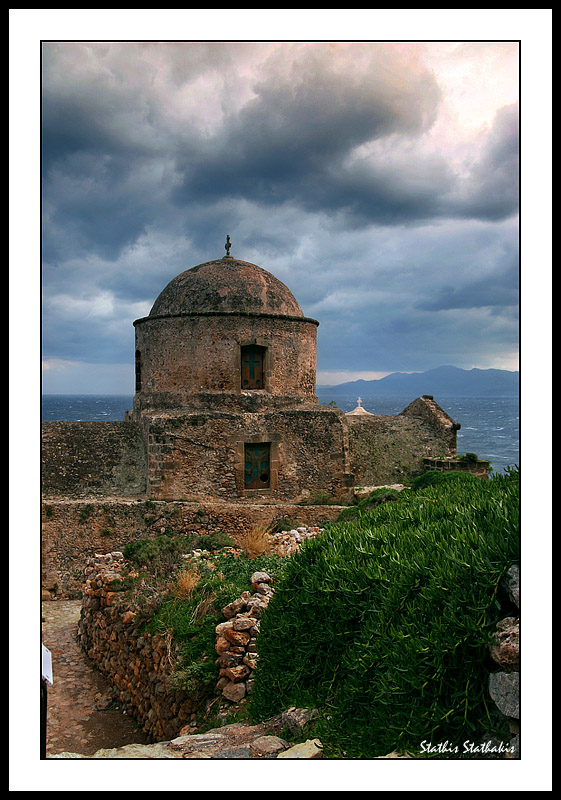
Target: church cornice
x=255, y=315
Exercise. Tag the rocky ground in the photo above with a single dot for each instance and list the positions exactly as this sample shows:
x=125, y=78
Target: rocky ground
x=85, y=721
x=82, y=715
x=239, y=740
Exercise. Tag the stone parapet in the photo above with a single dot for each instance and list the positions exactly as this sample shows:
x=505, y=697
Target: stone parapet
x=479, y=468
x=84, y=459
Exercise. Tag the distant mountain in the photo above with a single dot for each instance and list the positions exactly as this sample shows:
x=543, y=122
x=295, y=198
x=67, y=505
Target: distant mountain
x=442, y=381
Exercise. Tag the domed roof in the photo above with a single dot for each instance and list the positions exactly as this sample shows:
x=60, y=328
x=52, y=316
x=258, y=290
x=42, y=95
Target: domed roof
x=226, y=285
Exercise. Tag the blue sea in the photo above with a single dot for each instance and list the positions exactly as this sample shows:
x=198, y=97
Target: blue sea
x=490, y=425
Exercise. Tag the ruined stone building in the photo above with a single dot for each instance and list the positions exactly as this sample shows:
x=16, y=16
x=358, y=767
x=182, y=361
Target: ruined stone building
x=225, y=391
x=225, y=419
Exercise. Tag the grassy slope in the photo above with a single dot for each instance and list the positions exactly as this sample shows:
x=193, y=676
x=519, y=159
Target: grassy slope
x=384, y=620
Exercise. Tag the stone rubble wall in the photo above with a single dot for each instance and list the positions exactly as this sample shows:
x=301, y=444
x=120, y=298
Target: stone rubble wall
x=389, y=449
x=504, y=683
x=201, y=452
x=178, y=454
x=100, y=459
x=74, y=530
x=479, y=468
x=236, y=642
x=139, y=665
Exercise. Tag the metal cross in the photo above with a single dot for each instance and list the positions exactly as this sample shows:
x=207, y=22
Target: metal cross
x=228, y=245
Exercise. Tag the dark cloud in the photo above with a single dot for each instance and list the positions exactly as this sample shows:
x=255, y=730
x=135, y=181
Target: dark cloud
x=498, y=287
x=320, y=163
x=291, y=143
x=491, y=189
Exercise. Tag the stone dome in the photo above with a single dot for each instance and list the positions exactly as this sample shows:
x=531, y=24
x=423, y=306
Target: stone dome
x=229, y=286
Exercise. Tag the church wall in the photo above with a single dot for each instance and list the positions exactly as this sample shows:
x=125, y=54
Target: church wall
x=390, y=449
x=94, y=474
x=201, y=454
x=180, y=357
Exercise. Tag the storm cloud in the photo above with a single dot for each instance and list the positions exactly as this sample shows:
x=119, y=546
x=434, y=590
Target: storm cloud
x=349, y=170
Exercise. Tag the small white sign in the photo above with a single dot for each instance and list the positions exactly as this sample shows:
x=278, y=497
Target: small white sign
x=46, y=665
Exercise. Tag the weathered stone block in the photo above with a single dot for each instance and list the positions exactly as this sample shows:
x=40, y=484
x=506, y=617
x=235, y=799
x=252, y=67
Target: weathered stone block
x=504, y=688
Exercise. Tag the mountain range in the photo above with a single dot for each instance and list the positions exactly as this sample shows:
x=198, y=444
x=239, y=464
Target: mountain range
x=441, y=382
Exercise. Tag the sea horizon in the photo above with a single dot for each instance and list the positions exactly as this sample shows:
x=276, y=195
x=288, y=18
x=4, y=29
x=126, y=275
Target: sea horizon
x=489, y=425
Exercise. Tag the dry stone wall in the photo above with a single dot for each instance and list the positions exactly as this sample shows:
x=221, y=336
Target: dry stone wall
x=139, y=665
x=74, y=530
x=236, y=642
x=504, y=681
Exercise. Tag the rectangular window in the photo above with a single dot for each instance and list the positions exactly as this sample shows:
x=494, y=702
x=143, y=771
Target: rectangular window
x=253, y=367
x=257, y=468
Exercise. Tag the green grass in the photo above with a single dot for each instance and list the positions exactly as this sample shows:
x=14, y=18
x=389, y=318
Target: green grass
x=384, y=621
x=375, y=498
x=192, y=621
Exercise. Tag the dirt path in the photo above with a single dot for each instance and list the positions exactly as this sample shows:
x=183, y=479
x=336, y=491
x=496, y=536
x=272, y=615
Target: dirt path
x=80, y=715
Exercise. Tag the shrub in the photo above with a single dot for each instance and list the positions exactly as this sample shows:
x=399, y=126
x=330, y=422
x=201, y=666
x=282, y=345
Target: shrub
x=258, y=540
x=190, y=618
x=375, y=498
x=434, y=478
x=389, y=617
x=211, y=541
x=431, y=478
x=145, y=551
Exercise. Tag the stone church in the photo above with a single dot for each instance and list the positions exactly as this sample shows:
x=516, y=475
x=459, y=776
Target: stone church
x=225, y=407
x=226, y=431
x=225, y=391
x=225, y=396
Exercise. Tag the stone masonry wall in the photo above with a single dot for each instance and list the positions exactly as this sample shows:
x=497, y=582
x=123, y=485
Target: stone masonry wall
x=504, y=680
x=104, y=459
x=185, y=355
x=479, y=468
x=138, y=664
x=200, y=454
x=74, y=530
x=387, y=449
x=390, y=449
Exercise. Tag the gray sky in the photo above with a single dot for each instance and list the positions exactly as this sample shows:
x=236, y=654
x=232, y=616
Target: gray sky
x=378, y=180
x=391, y=217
